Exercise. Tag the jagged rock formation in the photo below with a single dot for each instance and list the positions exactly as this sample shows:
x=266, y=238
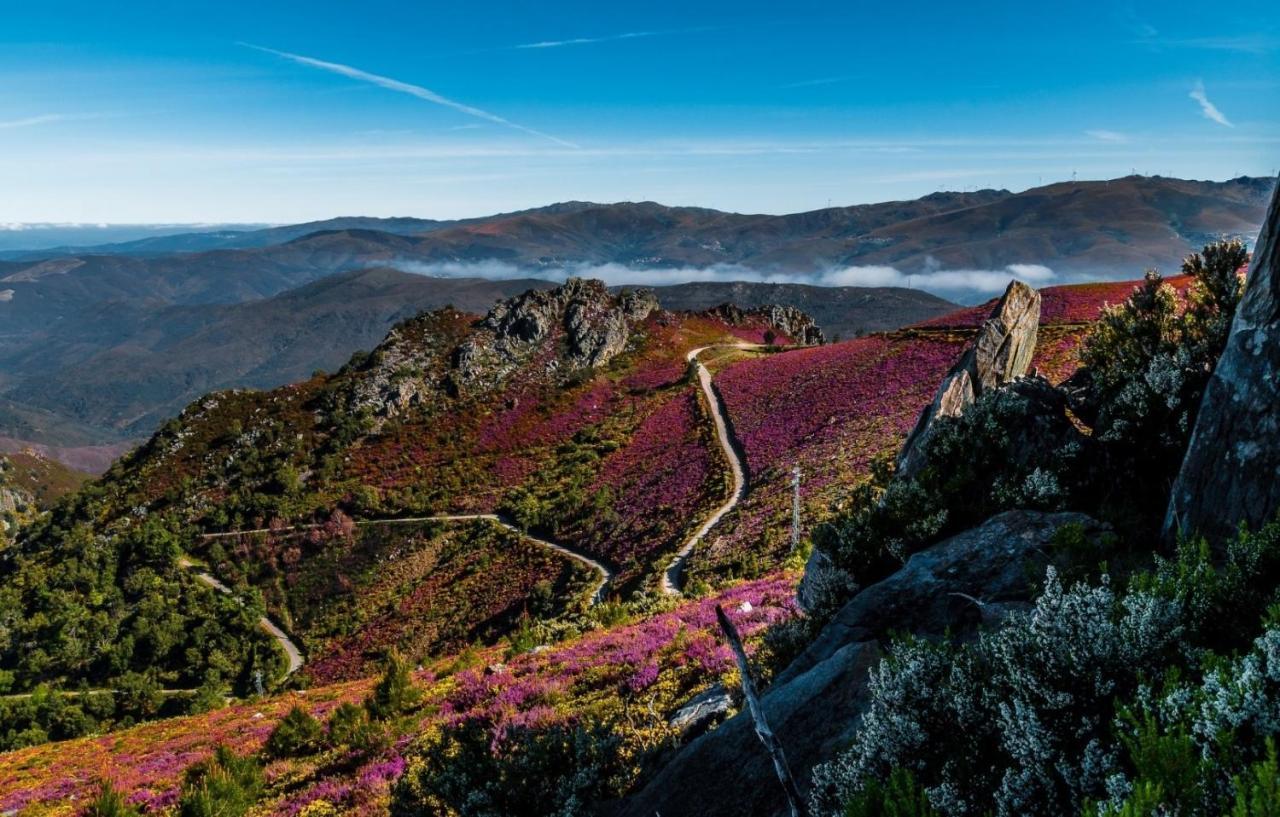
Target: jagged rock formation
x=1231, y=474
x=595, y=326
x=815, y=705
x=788, y=320
x=1001, y=354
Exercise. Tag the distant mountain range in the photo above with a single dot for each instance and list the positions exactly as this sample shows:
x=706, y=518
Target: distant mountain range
x=101, y=344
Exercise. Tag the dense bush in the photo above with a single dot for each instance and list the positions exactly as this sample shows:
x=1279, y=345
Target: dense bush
x=1148, y=361
x=553, y=771
x=1024, y=719
x=298, y=733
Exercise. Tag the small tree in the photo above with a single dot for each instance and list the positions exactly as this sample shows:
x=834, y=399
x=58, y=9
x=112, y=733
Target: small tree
x=110, y=803
x=396, y=693
x=225, y=785
x=770, y=337
x=297, y=734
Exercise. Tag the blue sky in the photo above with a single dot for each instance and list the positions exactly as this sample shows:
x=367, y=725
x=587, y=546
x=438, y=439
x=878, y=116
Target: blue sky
x=280, y=112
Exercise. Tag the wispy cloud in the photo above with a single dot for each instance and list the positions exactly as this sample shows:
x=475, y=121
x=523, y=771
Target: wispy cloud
x=31, y=121
x=1242, y=44
x=1115, y=137
x=408, y=88
x=1207, y=108
x=630, y=35
x=811, y=83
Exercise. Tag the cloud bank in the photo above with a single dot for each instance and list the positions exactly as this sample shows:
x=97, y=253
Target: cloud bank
x=1207, y=108
x=958, y=284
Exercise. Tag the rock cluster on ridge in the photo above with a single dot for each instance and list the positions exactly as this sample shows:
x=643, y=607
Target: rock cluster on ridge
x=1002, y=353
x=1231, y=473
x=788, y=320
x=595, y=325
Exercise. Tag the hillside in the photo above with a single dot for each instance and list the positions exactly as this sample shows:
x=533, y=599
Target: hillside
x=121, y=372
x=227, y=464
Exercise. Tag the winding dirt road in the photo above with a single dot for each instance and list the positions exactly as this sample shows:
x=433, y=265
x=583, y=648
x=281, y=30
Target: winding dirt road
x=606, y=575
x=673, y=575
x=597, y=595
x=268, y=626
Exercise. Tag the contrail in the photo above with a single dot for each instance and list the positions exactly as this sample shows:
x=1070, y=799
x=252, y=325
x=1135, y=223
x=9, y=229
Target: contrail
x=630, y=35
x=406, y=88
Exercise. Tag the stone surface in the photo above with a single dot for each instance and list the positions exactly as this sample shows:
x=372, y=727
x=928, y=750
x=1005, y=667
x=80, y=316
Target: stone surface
x=702, y=710
x=726, y=773
x=815, y=705
x=1231, y=473
x=595, y=324
x=961, y=581
x=1001, y=353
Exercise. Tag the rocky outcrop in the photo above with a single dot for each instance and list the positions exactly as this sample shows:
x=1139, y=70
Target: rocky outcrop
x=1231, y=473
x=562, y=330
x=787, y=320
x=15, y=504
x=595, y=326
x=1001, y=354
x=815, y=705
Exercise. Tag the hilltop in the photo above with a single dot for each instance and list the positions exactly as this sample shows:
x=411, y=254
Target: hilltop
x=99, y=347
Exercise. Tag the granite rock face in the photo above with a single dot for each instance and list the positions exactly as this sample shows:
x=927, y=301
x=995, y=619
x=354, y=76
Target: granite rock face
x=1002, y=353
x=594, y=323
x=814, y=707
x=1231, y=473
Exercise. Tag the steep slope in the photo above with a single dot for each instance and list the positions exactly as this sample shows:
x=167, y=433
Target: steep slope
x=551, y=410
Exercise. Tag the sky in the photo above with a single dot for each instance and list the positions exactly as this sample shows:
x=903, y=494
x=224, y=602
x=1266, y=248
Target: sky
x=277, y=112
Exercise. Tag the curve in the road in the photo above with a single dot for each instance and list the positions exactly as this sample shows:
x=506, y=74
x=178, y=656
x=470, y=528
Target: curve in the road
x=597, y=594
x=606, y=575
x=671, y=578
x=268, y=626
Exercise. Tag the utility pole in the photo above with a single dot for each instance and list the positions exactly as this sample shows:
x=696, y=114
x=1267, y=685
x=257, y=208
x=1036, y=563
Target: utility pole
x=795, y=508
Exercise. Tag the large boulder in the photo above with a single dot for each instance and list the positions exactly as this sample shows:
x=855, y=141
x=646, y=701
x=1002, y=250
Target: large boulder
x=1231, y=473
x=815, y=705
x=971, y=578
x=1002, y=353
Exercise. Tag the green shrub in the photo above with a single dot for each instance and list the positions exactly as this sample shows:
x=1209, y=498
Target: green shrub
x=350, y=728
x=899, y=796
x=298, y=733
x=556, y=771
x=1258, y=790
x=396, y=693
x=225, y=785
x=110, y=803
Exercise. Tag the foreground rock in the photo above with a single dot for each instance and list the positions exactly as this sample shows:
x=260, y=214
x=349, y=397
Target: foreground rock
x=814, y=706
x=1002, y=353
x=1231, y=474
